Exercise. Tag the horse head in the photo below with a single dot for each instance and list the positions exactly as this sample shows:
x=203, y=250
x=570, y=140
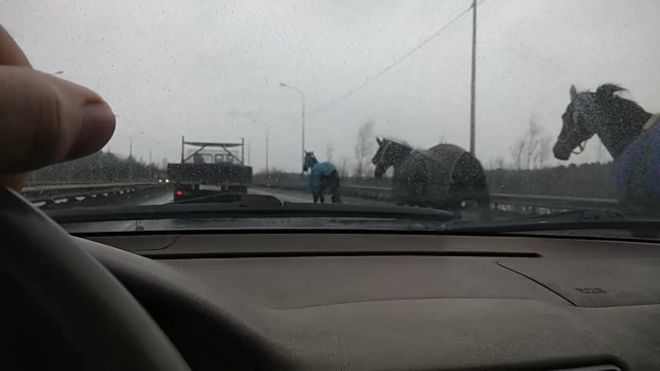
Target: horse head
x=309, y=161
x=389, y=153
x=601, y=112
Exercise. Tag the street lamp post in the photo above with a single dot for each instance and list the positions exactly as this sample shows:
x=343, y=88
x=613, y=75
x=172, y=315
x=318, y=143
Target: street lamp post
x=302, y=95
x=267, y=136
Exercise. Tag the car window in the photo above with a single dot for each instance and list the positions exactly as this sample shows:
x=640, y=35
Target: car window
x=491, y=109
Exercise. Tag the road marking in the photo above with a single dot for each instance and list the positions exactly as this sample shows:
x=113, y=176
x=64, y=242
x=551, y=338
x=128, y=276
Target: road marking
x=161, y=200
x=280, y=196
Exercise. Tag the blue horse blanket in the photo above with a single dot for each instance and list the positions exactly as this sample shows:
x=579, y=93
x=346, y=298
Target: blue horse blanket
x=637, y=168
x=316, y=173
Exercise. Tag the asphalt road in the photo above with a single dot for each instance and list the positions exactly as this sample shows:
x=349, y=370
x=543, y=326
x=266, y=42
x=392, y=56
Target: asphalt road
x=165, y=196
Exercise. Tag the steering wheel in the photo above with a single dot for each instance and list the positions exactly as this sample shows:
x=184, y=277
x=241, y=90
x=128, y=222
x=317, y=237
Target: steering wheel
x=100, y=320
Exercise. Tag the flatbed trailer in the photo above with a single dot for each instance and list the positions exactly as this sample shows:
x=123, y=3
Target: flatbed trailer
x=211, y=170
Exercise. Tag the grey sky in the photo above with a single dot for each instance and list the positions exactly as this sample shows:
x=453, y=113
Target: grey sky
x=207, y=68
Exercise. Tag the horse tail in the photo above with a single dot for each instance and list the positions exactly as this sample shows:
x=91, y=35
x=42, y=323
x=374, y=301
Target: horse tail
x=469, y=183
x=335, y=187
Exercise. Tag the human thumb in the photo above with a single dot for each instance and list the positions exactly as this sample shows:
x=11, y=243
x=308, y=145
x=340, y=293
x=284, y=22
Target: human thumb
x=45, y=120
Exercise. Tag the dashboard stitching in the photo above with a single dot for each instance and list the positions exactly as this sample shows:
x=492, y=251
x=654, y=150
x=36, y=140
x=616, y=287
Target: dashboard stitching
x=538, y=283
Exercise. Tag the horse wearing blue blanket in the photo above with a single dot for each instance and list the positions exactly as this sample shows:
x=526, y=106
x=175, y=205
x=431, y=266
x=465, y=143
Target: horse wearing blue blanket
x=630, y=134
x=321, y=177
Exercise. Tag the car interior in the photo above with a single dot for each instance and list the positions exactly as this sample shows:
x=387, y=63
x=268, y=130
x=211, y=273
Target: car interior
x=323, y=300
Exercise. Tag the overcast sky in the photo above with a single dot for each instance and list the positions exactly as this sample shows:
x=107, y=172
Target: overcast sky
x=207, y=68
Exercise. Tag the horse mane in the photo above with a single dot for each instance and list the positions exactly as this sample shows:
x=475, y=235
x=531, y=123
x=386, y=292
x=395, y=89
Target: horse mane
x=606, y=98
x=606, y=92
x=398, y=141
x=615, y=104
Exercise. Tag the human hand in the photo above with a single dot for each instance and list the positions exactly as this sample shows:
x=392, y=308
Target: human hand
x=44, y=120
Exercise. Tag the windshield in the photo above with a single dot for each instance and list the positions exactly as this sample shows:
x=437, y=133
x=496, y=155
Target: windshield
x=490, y=109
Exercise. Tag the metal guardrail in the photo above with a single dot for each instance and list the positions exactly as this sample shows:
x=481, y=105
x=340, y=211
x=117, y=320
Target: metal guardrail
x=553, y=202
x=498, y=200
x=53, y=193
x=56, y=192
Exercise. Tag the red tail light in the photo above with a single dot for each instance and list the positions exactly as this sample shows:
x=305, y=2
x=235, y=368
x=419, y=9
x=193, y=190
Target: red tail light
x=239, y=193
x=179, y=193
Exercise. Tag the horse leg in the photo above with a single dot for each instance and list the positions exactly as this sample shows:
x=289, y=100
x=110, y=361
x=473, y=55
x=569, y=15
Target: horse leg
x=334, y=188
x=483, y=202
x=482, y=195
x=336, y=197
x=469, y=179
x=316, y=197
x=320, y=196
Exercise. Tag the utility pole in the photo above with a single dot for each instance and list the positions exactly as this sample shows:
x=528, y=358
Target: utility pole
x=249, y=152
x=303, y=131
x=267, y=171
x=130, y=159
x=242, y=151
x=302, y=96
x=267, y=137
x=183, y=143
x=474, y=78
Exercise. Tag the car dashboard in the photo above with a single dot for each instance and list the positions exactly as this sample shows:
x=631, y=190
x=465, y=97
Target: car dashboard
x=350, y=301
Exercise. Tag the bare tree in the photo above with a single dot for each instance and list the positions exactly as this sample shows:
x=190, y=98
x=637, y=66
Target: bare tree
x=497, y=163
x=517, y=153
x=532, y=142
x=343, y=168
x=364, y=146
x=532, y=149
x=329, y=151
x=544, y=150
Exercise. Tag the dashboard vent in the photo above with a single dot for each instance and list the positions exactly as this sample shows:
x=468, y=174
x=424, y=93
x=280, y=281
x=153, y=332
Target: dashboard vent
x=591, y=368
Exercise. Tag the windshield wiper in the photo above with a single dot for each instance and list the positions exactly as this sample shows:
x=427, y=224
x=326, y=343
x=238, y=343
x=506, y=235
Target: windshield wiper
x=569, y=220
x=246, y=210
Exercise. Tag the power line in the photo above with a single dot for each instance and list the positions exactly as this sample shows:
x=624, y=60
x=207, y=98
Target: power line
x=395, y=63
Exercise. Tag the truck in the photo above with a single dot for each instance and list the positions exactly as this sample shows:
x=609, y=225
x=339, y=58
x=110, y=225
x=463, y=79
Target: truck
x=210, y=170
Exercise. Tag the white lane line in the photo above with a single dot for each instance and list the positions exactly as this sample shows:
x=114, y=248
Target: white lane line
x=280, y=196
x=130, y=225
x=164, y=199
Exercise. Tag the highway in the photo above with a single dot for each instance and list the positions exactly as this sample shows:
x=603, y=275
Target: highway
x=164, y=196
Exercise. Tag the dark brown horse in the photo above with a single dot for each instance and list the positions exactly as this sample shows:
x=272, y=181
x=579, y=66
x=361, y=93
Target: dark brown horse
x=630, y=134
x=444, y=176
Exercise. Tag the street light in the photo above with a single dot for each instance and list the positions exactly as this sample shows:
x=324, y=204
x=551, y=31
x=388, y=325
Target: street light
x=267, y=135
x=302, y=95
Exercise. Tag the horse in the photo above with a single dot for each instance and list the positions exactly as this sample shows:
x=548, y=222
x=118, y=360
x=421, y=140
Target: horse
x=321, y=176
x=629, y=133
x=443, y=177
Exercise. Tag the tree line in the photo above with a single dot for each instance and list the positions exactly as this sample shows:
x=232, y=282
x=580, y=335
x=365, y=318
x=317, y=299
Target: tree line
x=101, y=167
x=525, y=173
x=581, y=181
